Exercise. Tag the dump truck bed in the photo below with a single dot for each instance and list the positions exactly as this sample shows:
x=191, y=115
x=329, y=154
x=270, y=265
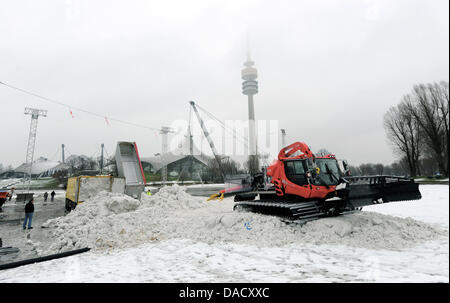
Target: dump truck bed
x=129, y=167
x=81, y=188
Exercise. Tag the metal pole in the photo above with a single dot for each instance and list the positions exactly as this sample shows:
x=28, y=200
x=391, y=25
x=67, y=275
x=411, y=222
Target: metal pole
x=191, y=142
x=283, y=137
x=164, y=131
x=63, y=159
x=253, y=153
x=101, y=159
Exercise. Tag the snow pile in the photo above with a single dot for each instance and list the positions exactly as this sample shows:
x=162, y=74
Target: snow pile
x=370, y=230
x=92, y=186
x=102, y=205
x=112, y=220
x=364, y=229
x=91, y=223
x=171, y=197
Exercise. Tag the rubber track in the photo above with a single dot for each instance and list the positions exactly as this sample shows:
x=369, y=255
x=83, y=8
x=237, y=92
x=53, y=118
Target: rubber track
x=301, y=212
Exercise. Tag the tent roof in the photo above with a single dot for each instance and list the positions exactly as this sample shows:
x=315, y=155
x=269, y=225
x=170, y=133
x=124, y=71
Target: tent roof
x=180, y=152
x=40, y=166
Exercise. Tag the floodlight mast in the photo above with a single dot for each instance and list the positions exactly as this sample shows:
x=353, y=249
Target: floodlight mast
x=164, y=131
x=35, y=113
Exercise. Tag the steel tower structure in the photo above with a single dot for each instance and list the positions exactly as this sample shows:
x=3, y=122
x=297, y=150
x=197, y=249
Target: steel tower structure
x=35, y=113
x=250, y=88
x=164, y=131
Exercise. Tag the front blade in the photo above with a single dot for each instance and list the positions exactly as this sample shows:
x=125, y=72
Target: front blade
x=363, y=191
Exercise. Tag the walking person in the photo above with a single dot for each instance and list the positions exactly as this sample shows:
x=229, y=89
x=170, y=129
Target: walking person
x=2, y=201
x=29, y=210
x=45, y=196
x=12, y=193
x=53, y=194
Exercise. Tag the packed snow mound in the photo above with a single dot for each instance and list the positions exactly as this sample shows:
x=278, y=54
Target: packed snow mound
x=369, y=229
x=363, y=229
x=100, y=206
x=92, y=186
x=111, y=220
x=173, y=197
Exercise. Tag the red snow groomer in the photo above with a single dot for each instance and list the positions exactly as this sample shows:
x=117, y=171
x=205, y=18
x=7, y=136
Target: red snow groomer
x=4, y=195
x=300, y=187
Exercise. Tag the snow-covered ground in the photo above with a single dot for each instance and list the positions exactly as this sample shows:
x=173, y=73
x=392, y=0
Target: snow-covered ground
x=22, y=183
x=7, y=183
x=174, y=237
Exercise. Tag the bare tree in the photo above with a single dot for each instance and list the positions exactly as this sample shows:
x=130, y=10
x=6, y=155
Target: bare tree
x=397, y=169
x=429, y=107
x=81, y=163
x=404, y=133
x=440, y=99
x=367, y=169
x=354, y=170
x=379, y=168
x=428, y=166
x=229, y=166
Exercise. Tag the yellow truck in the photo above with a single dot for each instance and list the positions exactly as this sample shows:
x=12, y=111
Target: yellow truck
x=81, y=188
x=131, y=180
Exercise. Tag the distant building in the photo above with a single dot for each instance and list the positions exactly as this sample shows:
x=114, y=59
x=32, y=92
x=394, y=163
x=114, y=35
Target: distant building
x=181, y=162
x=40, y=166
x=61, y=167
x=12, y=174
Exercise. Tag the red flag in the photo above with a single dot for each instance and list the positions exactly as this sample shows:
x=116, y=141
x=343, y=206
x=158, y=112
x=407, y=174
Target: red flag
x=71, y=113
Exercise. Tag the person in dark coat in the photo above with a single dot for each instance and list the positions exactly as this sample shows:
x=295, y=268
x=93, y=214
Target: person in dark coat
x=29, y=210
x=2, y=201
x=45, y=196
x=12, y=193
x=53, y=194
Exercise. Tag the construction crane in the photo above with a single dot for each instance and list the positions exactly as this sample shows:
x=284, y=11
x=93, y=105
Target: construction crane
x=208, y=137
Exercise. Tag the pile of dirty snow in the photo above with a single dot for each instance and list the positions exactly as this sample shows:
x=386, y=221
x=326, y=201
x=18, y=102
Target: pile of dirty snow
x=370, y=230
x=172, y=197
x=111, y=220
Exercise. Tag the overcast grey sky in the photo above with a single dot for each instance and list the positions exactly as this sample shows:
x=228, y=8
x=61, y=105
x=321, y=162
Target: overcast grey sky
x=328, y=70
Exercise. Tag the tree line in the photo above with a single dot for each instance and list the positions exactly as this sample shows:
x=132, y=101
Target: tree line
x=371, y=169
x=418, y=129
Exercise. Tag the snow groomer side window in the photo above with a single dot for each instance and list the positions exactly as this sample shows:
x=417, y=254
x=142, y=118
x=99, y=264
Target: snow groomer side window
x=295, y=172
